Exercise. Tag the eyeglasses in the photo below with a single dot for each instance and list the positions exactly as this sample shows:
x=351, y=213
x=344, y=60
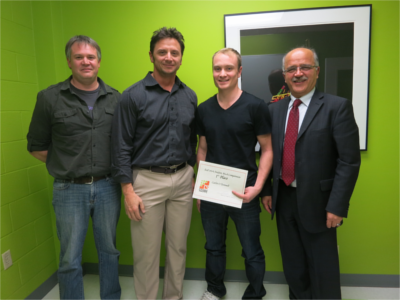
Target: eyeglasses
x=303, y=68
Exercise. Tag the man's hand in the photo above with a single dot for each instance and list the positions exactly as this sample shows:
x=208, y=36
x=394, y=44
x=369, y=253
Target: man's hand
x=265, y=164
x=40, y=155
x=133, y=203
x=333, y=220
x=267, y=203
x=249, y=194
x=198, y=205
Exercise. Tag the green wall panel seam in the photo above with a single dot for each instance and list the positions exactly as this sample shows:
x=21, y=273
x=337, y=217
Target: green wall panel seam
x=15, y=52
x=29, y=224
x=18, y=81
x=22, y=286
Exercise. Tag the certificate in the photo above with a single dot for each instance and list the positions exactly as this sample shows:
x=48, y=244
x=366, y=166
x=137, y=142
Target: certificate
x=215, y=183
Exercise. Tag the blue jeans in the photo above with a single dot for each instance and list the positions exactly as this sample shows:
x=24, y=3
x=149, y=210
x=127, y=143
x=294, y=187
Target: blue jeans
x=247, y=221
x=74, y=204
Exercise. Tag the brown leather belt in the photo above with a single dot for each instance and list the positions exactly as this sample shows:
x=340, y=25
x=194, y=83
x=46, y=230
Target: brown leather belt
x=166, y=170
x=87, y=179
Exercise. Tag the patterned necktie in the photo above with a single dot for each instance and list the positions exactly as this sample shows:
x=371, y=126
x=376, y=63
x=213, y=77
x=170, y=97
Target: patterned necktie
x=292, y=128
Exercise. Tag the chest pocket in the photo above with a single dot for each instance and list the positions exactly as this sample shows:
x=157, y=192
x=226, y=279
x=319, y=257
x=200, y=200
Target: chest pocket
x=65, y=113
x=109, y=111
x=108, y=116
x=67, y=122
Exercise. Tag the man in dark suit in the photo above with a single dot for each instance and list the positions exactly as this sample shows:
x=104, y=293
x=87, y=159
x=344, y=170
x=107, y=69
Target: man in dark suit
x=316, y=164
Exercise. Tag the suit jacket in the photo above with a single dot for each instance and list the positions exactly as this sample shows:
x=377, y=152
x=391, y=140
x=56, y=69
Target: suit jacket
x=327, y=157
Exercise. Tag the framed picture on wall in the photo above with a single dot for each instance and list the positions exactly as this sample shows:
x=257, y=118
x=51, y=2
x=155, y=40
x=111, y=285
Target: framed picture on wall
x=340, y=35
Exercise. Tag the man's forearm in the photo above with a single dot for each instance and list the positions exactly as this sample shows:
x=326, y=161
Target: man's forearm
x=201, y=155
x=40, y=155
x=127, y=188
x=264, y=168
x=265, y=164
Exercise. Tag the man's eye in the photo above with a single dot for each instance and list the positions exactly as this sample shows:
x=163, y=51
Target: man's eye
x=291, y=70
x=305, y=68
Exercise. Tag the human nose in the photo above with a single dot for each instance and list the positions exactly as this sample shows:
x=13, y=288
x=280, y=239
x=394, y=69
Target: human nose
x=85, y=60
x=298, y=72
x=168, y=56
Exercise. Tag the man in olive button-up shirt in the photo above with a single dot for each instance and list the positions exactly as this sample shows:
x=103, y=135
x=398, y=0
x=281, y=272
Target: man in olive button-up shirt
x=70, y=131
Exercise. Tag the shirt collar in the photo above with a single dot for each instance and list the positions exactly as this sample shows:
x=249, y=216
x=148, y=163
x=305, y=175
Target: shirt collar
x=104, y=89
x=306, y=99
x=150, y=81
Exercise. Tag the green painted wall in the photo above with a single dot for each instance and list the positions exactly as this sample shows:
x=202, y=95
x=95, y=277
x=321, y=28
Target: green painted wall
x=26, y=220
x=369, y=241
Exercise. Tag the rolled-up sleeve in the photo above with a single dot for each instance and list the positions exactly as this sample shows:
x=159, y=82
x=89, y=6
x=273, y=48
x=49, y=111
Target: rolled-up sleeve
x=123, y=133
x=39, y=135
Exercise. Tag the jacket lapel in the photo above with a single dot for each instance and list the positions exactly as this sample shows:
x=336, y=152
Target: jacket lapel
x=281, y=121
x=313, y=108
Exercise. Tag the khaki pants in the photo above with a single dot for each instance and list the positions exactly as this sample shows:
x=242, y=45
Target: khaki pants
x=168, y=204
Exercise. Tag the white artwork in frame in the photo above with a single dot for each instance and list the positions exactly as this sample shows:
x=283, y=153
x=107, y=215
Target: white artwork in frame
x=360, y=16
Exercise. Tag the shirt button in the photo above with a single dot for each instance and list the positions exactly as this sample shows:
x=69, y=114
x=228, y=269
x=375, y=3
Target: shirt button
x=94, y=165
x=94, y=145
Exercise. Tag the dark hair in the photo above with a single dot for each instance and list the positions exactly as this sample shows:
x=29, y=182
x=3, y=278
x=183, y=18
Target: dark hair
x=81, y=39
x=164, y=33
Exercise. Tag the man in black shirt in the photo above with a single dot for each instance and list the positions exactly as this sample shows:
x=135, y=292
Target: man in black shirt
x=70, y=131
x=229, y=125
x=153, y=154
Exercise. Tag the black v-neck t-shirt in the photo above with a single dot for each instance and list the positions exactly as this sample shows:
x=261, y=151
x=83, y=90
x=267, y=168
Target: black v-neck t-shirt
x=231, y=134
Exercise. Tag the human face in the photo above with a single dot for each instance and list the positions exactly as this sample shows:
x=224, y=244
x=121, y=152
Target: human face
x=84, y=63
x=300, y=82
x=225, y=71
x=166, y=57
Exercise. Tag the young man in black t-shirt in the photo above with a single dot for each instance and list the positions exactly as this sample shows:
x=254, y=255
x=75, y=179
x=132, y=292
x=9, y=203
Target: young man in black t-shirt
x=229, y=125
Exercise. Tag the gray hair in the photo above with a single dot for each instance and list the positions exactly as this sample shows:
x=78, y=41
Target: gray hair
x=316, y=61
x=227, y=50
x=81, y=39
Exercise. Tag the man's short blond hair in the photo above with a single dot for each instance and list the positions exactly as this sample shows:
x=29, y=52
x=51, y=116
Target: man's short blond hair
x=230, y=50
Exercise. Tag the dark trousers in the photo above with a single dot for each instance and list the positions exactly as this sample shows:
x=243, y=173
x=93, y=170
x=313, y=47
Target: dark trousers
x=247, y=221
x=310, y=260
